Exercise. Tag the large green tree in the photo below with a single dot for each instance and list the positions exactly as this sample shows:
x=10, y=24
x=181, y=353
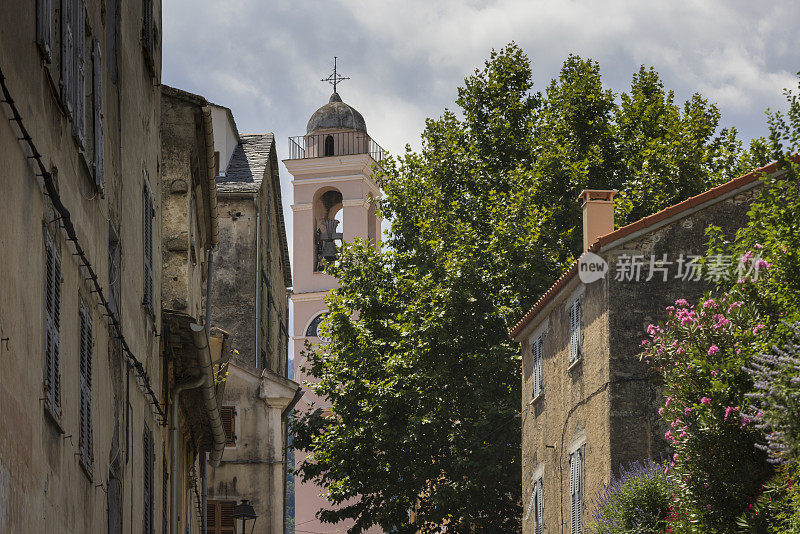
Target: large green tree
x=422, y=381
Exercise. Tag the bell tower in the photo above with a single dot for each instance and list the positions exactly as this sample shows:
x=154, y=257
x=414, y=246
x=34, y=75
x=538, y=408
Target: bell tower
x=334, y=201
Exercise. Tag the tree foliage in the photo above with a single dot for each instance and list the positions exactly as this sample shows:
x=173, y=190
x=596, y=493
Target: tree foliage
x=421, y=379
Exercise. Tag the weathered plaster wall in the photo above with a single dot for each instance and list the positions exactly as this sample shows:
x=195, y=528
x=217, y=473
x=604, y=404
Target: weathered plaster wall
x=39, y=470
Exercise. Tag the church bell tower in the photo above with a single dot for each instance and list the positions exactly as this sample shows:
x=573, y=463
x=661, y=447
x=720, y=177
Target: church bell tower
x=334, y=201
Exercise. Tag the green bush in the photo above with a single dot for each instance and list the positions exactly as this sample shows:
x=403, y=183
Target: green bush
x=636, y=502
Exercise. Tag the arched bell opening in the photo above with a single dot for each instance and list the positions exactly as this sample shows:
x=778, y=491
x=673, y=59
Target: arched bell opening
x=328, y=227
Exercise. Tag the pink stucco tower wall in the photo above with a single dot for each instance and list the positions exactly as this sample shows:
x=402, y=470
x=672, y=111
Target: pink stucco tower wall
x=332, y=169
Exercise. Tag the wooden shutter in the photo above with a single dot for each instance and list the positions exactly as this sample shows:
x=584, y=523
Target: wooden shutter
x=52, y=341
x=147, y=485
x=579, y=490
x=67, y=55
x=228, y=416
x=539, y=519
x=220, y=517
x=114, y=271
x=85, y=411
x=44, y=28
x=572, y=487
x=97, y=114
x=79, y=72
x=148, y=34
x=536, y=353
x=575, y=321
x=147, y=243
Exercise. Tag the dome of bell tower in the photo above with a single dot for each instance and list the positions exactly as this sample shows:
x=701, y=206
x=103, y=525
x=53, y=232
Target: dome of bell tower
x=336, y=115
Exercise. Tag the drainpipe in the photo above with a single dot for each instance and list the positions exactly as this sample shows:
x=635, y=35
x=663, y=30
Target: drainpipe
x=204, y=470
x=206, y=381
x=258, y=280
x=173, y=416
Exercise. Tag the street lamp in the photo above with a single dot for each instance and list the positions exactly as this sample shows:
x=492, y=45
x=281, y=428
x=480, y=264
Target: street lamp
x=244, y=511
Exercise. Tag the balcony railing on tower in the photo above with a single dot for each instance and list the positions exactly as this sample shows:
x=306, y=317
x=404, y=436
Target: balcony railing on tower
x=334, y=144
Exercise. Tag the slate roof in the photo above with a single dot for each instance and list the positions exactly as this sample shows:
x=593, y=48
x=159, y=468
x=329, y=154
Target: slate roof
x=245, y=173
x=247, y=165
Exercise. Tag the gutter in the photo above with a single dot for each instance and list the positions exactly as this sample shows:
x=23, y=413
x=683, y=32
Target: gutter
x=210, y=405
x=297, y=396
x=173, y=419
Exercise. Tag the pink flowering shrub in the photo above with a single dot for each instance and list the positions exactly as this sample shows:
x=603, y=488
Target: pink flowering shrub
x=700, y=351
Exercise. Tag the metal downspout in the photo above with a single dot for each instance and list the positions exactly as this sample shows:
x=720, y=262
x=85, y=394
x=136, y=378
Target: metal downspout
x=258, y=282
x=204, y=470
x=173, y=416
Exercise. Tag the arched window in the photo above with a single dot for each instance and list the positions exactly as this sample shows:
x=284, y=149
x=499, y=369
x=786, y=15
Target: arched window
x=329, y=145
x=312, y=331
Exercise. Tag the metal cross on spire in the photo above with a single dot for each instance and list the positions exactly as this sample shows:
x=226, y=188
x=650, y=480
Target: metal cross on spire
x=334, y=78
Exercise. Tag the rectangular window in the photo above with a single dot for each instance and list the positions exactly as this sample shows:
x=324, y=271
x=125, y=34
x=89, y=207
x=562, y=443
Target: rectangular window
x=44, y=28
x=85, y=410
x=216, y=163
x=575, y=331
x=536, y=507
x=148, y=463
x=228, y=416
x=220, y=517
x=536, y=363
x=147, y=243
x=576, y=492
x=52, y=313
x=114, y=270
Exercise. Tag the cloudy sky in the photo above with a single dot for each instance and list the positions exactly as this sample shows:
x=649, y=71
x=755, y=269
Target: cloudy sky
x=264, y=58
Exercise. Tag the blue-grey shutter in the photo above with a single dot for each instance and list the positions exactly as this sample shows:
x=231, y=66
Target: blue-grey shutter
x=536, y=350
x=97, y=114
x=52, y=341
x=79, y=74
x=575, y=330
x=539, y=506
x=579, y=489
x=147, y=242
x=67, y=56
x=573, y=508
x=85, y=419
x=148, y=455
x=44, y=29
x=148, y=34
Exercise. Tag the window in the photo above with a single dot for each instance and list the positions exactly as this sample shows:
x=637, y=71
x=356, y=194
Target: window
x=575, y=331
x=576, y=492
x=228, y=416
x=114, y=271
x=147, y=243
x=220, y=517
x=329, y=145
x=313, y=327
x=85, y=410
x=536, y=363
x=52, y=313
x=148, y=462
x=44, y=28
x=536, y=507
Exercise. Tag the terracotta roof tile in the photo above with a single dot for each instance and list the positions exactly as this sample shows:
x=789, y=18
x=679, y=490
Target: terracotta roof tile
x=645, y=222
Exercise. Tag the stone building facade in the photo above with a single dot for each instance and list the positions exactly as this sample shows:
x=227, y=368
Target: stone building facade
x=250, y=300
x=84, y=84
x=91, y=359
x=589, y=405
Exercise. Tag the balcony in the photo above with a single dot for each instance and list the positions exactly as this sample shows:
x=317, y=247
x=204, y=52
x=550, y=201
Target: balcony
x=334, y=144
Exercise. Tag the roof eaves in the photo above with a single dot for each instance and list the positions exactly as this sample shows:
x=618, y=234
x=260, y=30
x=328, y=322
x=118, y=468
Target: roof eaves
x=629, y=229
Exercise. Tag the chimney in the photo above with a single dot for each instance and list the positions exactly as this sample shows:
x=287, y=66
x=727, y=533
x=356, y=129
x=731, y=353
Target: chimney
x=598, y=214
